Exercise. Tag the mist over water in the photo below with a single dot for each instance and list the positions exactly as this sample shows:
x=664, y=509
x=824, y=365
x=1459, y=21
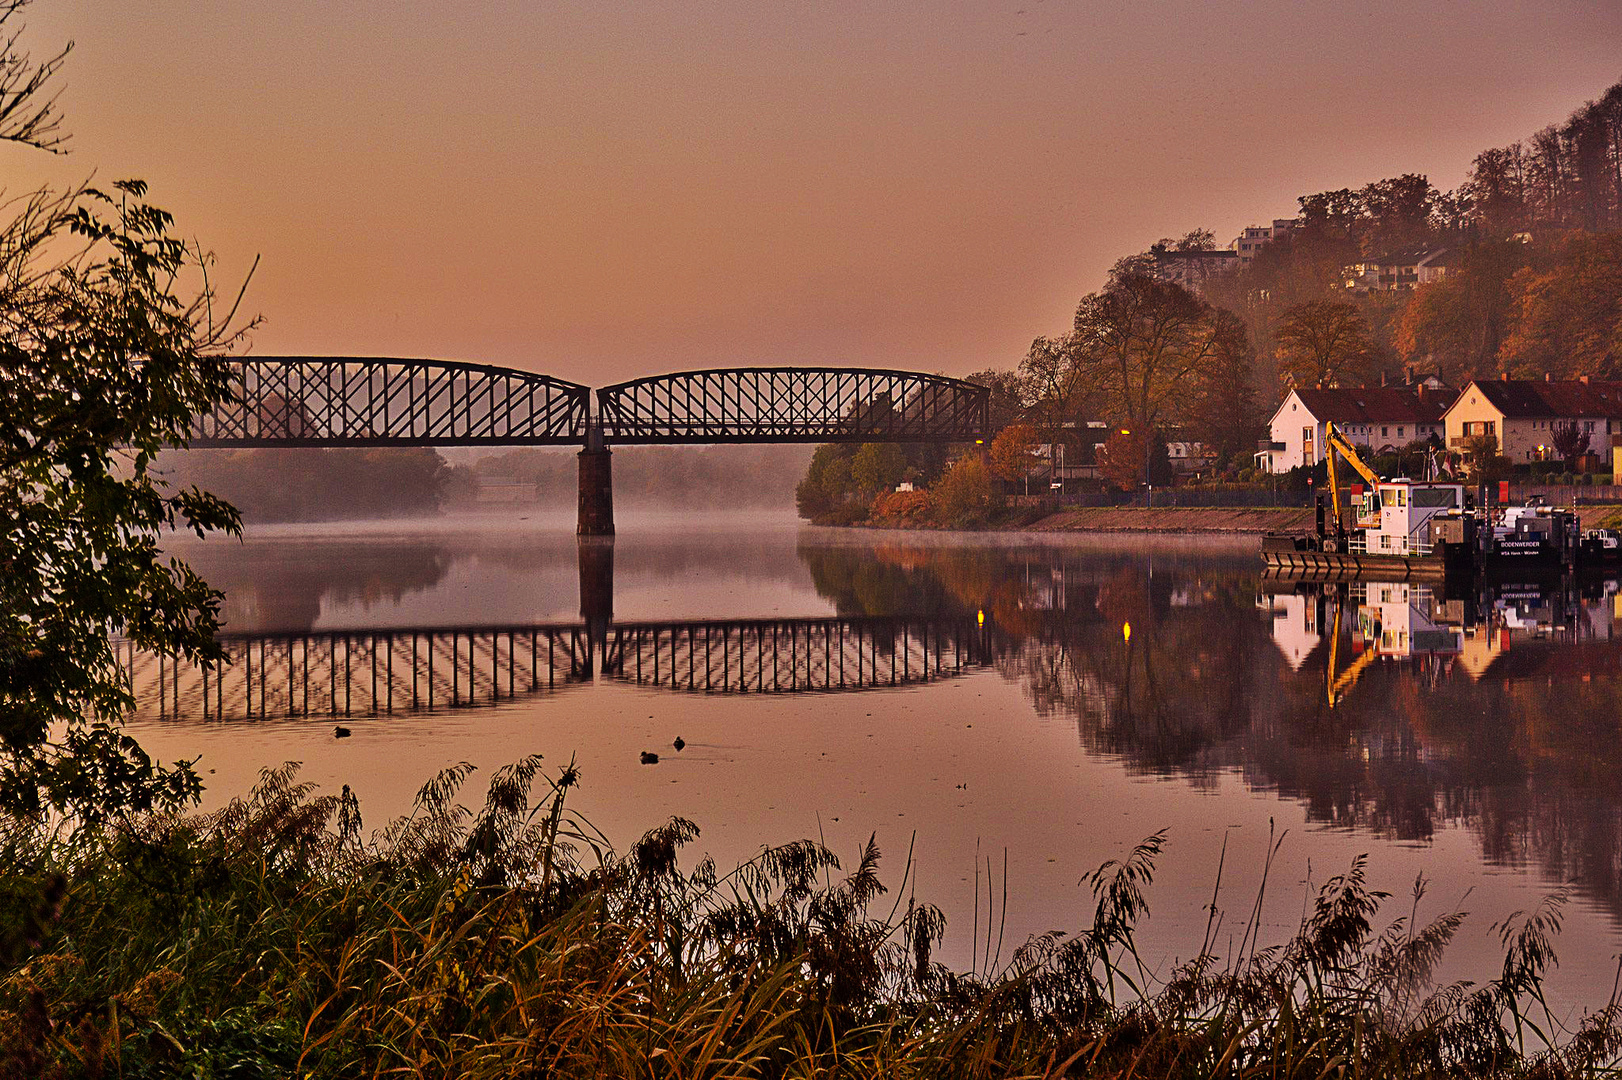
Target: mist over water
x=958, y=696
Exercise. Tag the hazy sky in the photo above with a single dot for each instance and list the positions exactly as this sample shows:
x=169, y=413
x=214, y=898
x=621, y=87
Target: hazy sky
x=605, y=190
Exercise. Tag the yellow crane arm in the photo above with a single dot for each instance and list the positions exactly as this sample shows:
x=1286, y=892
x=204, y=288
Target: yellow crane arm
x=1335, y=442
x=1336, y=681
x=1334, y=438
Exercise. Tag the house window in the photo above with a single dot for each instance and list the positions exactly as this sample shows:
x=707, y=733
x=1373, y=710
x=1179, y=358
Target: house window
x=1399, y=433
x=1588, y=426
x=1384, y=431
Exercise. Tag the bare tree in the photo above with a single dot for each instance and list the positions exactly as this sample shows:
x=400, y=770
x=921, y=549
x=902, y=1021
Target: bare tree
x=27, y=115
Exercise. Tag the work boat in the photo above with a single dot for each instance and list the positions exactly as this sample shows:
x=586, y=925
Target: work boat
x=1534, y=536
x=1400, y=529
x=1404, y=529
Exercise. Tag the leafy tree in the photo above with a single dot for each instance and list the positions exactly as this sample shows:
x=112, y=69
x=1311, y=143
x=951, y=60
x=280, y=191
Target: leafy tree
x=1324, y=343
x=104, y=360
x=1224, y=414
x=104, y=364
x=877, y=467
x=963, y=494
x=1129, y=457
x=827, y=483
x=1568, y=315
x=1008, y=395
x=1141, y=343
x=309, y=484
x=1398, y=213
x=1483, y=459
x=1011, y=455
x=1458, y=323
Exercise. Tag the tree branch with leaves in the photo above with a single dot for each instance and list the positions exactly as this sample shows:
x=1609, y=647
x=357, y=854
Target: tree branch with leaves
x=109, y=346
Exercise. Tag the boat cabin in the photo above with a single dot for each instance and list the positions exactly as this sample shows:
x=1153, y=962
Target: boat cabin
x=1395, y=515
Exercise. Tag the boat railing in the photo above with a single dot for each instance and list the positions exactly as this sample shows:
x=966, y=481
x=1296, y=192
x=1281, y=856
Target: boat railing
x=1358, y=544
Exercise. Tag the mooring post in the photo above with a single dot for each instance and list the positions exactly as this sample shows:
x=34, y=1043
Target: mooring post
x=596, y=486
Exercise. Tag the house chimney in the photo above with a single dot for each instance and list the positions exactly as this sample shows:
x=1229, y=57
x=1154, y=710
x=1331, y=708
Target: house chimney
x=1547, y=377
x=1584, y=379
x=1382, y=378
x=1506, y=376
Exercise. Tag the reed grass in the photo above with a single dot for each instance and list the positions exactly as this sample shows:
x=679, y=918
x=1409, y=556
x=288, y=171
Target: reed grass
x=274, y=938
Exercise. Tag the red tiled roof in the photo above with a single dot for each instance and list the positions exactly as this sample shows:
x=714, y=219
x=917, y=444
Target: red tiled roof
x=1372, y=404
x=1567, y=398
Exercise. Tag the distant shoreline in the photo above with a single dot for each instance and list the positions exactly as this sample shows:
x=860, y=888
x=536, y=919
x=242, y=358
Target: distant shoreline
x=1188, y=520
x=1171, y=520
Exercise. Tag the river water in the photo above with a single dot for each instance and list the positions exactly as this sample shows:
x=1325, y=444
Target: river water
x=1014, y=710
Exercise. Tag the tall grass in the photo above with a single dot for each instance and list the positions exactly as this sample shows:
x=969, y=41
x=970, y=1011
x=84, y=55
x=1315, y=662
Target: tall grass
x=275, y=938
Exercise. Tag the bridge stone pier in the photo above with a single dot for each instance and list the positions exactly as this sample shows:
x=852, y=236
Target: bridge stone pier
x=596, y=514
x=385, y=401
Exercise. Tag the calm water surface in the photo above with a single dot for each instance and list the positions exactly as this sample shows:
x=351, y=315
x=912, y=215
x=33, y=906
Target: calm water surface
x=1048, y=702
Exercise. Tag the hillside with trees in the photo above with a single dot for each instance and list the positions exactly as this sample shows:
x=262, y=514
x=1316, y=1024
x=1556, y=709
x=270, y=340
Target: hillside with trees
x=1531, y=249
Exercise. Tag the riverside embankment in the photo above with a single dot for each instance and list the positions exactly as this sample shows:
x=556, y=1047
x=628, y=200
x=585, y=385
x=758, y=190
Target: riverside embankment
x=1232, y=520
x=1176, y=519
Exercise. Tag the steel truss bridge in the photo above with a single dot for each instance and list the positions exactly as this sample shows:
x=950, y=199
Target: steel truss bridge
x=379, y=401
x=337, y=674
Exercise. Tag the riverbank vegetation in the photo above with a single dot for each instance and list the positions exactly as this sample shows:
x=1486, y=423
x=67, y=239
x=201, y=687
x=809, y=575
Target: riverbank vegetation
x=272, y=939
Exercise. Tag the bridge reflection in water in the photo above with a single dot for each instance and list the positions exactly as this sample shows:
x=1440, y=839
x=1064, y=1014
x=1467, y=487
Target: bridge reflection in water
x=380, y=672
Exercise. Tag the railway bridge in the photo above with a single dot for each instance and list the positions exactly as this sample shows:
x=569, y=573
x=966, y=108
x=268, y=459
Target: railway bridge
x=387, y=401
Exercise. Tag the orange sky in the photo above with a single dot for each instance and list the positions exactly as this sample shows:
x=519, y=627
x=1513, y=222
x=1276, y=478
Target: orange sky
x=606, y=190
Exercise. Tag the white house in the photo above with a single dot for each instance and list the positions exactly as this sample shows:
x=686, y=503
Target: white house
x=1255, y=237
x=1399, y=270
x=1382, y=418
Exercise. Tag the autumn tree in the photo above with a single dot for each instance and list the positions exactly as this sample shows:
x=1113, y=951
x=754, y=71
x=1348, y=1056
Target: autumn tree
x=1224, y=415
x=1011, y=456
x=1131, y=457
x=963, y=494
x=1061, y=395
x=1568, y=314
x=1458, y=323
x=1497, y=191
x=1141, y=342
x=1324, y=343
x=877, y=467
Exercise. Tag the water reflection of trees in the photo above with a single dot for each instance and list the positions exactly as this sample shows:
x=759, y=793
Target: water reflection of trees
x=281, y=585
x=1523, y=752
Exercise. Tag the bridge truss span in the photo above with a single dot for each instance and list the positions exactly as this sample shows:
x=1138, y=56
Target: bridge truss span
x=792, y=656
x=793, y=404
x=382, y=401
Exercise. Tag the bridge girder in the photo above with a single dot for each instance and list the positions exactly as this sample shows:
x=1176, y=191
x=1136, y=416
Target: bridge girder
x=287, y=401
x=793, y=404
